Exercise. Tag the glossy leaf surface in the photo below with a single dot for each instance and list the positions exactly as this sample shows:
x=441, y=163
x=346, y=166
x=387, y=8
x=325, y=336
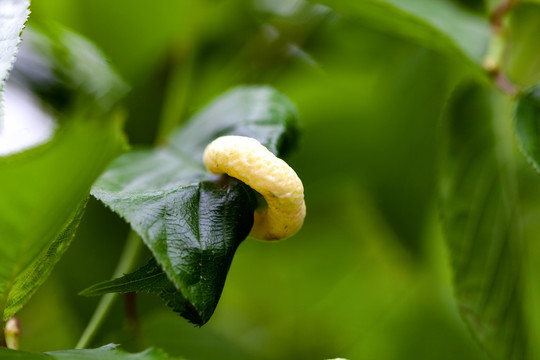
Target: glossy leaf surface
x=527, y=124
x=192, y=221
x=108, y=352
x=261, y=113
x=481, y=225
x=212, y=220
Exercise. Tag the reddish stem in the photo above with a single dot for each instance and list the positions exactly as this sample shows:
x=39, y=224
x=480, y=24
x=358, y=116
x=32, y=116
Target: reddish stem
x=504, y=84
x=498, y=14
x=130, y=305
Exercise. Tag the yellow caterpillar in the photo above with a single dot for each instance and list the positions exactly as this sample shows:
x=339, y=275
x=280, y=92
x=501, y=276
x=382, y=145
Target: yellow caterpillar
x=249, y=161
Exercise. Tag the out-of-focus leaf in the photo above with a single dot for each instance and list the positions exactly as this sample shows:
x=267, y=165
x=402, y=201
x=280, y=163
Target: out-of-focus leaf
x=43, y=190
x=13, y=15
x=478, y=6
x=107, y=352
x=39, y=212
x=481, y=225
x=28, y=281
x=436, y=24
x=527, y=123
x=192, y=222
x=66, y=69
x=521, y=59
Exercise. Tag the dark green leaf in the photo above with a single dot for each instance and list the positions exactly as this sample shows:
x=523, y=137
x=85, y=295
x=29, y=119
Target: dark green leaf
x=215, y=217
x=151, y=279
x=148, y=279
x=527, y=123
x=193, y=226
x=259, y=112
x=437, y=24
x=481, y=225
x=107, y=352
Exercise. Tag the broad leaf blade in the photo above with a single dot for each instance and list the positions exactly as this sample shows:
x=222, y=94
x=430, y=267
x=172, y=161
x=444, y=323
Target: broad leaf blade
x=36, y=207
x=191, y=225
x=107, y=352
x=201, y=226
x=481, y=225
x=13, y=15
x=527, y=124
x=436, y=24
x=33, y=276
x=43, y=190
x=149, y=279
x=259, y=112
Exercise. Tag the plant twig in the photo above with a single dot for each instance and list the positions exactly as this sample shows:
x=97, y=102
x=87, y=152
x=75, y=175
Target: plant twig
x=498, y=14
x=130, y=306
x=492, y=61
x=127, y=260
x=502, y=82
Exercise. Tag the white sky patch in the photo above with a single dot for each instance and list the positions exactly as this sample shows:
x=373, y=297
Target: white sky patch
x=25, y=122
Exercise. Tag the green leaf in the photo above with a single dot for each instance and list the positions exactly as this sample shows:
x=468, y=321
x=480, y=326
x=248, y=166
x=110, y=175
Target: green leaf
x=436, y=24
x=66, y=69
x=43, y=190
x=148, y=279
x=256, y=111
x=215, y=218
x=38, y=212
x=521, y=57
x=527, y=124
x=151, y=279
x=29, y=280
x=481, y=225
x=107, y=352
x=192, y=221
x=13, y=15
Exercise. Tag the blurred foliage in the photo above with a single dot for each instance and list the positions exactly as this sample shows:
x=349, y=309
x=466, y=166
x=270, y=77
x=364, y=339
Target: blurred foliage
x=521, y=57
x=368, y=275
x=107, y=352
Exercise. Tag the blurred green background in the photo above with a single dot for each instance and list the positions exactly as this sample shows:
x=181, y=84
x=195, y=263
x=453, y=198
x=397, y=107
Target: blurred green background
x=367, y=277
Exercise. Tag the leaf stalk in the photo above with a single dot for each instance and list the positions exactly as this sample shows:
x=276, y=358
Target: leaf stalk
x=127, y=261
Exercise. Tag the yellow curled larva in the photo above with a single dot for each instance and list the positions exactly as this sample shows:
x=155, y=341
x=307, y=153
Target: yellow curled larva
x=249, y=161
